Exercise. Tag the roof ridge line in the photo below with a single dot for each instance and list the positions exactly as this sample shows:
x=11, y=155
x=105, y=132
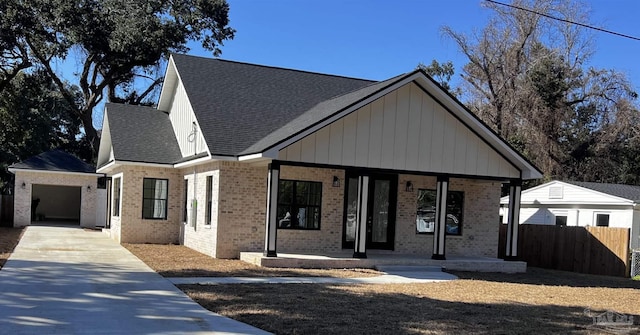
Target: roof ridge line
x=278, y=68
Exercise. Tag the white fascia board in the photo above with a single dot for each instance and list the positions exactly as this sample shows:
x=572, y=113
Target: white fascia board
x=168, y=86
x=107, y=167
x=13, y=170
x=528, y=171
x=160, y=165
x=273, y=152
x=251, y=157
x=115, y=163
x=203, y=160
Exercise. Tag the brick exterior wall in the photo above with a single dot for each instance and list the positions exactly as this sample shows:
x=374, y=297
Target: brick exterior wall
x=22, y=197
x=329, y=238
x=241, y=209
x=480, y=221
x=130, y=227
x=238, y=209
x=239, y=202
x=202, y=236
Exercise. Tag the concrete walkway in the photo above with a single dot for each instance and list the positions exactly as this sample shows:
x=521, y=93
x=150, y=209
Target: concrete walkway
x=66, y=280
x=394, y=275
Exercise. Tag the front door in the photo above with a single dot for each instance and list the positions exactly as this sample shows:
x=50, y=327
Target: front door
x=381, y=211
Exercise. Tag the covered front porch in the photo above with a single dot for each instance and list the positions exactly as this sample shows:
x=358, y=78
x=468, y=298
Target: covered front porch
x=377, y=260
x=405, y=171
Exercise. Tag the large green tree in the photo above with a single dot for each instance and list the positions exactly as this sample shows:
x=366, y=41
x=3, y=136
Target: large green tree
x=118, y=45
x=528, y=78
x=34, y=117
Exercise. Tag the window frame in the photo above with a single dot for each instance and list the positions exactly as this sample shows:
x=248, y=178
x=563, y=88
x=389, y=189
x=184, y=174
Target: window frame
x=166, y=199
x=566, y=219
x=116, y=207
x=460, y=217
x=297, y=206
x=597, y=214
x=185, y=202
x=208, y=212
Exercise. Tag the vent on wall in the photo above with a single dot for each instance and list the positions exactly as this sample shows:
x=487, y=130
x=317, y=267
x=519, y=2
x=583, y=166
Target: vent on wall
x=555, y=192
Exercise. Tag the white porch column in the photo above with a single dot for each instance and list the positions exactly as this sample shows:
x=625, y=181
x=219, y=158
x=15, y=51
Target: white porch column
x=360, y=243
x=271, y=224
x=442, y=188
x=513, y=221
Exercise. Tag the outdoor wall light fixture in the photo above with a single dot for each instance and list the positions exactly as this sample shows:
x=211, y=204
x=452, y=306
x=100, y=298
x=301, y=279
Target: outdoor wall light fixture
x=89, y=188
x=336, y=181
x=23, y=185
x=409, y=187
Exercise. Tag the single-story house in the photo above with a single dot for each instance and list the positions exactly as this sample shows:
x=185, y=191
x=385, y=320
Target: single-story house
x=242, y=157
x=57, y=187
x=571, y=203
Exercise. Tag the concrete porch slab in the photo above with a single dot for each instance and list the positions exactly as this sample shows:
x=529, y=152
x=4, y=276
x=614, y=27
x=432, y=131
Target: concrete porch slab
x=378, y=261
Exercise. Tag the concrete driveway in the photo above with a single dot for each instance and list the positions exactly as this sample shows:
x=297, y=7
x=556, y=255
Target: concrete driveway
x=67, y=280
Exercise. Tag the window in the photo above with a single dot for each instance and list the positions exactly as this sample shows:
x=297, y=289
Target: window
x=186, y=200
x=602, y=220
x=207, y=211
x=426, y=213
x=154, y=198
x=299, y=204
x=561, y=220
x=116, y=196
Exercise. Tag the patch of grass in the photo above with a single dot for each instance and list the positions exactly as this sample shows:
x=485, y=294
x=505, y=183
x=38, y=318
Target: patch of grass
x=9, y=238
x=171, y=260
x=636, y=277
x=482, y=305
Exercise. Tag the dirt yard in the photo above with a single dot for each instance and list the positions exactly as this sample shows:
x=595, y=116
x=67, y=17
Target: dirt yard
x=180, y=261
x=540, y=302
x=9, y=238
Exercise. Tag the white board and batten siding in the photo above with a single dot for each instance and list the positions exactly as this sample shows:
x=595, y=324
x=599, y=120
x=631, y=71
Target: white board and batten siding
x=182, y=118
x=404, y=130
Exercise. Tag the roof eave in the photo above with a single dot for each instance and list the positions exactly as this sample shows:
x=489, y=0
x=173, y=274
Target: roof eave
x=168, y=85
x=14, y=170
x=527, y=169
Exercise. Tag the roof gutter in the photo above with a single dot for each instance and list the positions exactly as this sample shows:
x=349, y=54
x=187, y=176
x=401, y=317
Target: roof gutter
x=14, y=170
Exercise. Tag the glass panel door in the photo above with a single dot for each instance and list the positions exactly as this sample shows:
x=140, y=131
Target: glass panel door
x=351, y=210
x=380, y=212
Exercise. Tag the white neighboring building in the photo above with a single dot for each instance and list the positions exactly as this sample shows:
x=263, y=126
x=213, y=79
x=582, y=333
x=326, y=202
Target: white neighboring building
x=580, y=204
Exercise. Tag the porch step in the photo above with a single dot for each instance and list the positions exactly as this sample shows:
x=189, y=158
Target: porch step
x=408, y=268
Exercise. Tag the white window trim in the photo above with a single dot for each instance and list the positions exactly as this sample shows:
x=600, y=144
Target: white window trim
x=113, y=178
x=210, y=209
x=188, y=178
x=557, y=213
x=595, y=218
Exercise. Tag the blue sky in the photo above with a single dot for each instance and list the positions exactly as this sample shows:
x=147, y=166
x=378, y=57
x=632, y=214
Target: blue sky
x=378, y=39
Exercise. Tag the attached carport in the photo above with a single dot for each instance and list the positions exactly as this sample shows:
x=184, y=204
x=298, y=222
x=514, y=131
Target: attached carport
x=55, y=187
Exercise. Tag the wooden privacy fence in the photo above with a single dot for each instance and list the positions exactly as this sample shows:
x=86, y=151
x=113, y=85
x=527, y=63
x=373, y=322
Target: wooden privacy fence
x=6, y=210
x=593, y=250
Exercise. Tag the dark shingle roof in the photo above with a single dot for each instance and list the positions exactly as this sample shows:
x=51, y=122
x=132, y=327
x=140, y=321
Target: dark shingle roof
x=316, y=114
x=55, y=160
x=630, y=192
x=239, y=104
x=142, y=134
